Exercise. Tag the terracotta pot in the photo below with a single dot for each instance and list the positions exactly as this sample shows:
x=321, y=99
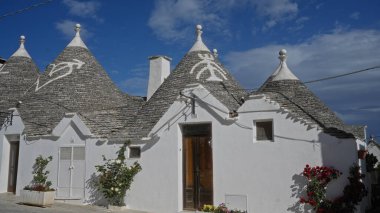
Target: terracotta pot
x=362, y=154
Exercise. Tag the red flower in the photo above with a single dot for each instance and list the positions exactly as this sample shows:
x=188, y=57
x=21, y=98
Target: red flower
x=312, y=202
x=320, y=210
x=302, y=200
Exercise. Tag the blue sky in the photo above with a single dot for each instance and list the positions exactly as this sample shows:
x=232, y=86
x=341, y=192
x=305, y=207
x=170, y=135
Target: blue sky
x=323, y=38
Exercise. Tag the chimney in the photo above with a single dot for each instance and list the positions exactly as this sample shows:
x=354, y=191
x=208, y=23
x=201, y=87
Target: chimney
x=159, y=70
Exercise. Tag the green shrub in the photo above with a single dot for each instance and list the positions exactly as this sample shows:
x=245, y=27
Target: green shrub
x=115, y=177
x=40, y=182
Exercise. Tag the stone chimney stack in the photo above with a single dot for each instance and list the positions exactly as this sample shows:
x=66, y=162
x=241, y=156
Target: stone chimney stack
x=159, y=70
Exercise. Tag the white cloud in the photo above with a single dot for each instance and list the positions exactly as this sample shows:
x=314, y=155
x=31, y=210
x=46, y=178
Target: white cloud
x=275, y=10
x=175, y=19
x=299, y=23
x=85, y=9
x=302, y=20
x=169, y=16
x=66, y=27
x=137, y=82
x=135, y=86
x=319, y=6
x=355, y=15
x=321, y=56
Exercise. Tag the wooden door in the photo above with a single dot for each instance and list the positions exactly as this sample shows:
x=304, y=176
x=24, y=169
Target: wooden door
x=197, y=171
x=13, y=165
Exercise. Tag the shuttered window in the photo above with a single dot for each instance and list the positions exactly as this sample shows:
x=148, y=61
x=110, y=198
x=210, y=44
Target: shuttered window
x=65, y=153
x=79, y=153
x=264, y=130
x=134, y=152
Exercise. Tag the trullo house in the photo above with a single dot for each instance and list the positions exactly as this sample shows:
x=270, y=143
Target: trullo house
x=200, y=137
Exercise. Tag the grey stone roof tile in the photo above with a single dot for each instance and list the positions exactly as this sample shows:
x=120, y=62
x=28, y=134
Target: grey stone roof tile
x=299, y=100
x=76, y=83
x=228, y=91
x=17, y=75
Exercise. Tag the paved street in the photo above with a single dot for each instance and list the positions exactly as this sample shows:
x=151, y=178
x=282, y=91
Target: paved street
x=10, y=203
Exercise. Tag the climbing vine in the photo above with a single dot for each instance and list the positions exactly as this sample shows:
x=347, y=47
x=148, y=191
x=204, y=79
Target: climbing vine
x=318, y=178
x=116, y=177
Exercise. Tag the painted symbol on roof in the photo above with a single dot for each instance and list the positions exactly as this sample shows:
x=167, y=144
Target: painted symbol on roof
x=1, y=70
x=64, y=69
x=211, y=66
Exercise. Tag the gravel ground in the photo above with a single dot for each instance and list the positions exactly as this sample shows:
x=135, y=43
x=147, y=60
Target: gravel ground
x=10, y=203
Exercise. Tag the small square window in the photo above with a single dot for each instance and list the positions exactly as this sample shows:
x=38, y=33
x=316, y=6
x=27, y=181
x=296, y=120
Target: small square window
x=134, y=152
x=264, y=130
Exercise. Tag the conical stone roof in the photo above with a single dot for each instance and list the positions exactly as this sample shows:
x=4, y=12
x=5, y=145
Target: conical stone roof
x=76, y=83
x=199, y=65
x=17, y=75
x=290, y=93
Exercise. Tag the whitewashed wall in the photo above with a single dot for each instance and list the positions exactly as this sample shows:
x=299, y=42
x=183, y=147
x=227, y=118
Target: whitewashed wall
x=8, y=133
x=268, y=173
x=71, y=131
x=375, y=150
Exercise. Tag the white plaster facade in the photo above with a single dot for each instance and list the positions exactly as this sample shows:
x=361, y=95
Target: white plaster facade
x=261, y=176
x=266, y=174
x=374, y=149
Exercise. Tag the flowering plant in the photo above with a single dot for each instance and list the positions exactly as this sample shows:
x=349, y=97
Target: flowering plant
x=116, y=177
x=222, y=208
x=208, y=208
x=40, y=182
x=319, y=177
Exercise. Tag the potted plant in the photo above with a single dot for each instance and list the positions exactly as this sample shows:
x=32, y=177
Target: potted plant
x=39, y=192
x=115, y=178
x=222, y=208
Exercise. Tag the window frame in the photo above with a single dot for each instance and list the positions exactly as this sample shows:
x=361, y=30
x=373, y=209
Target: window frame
x=255, y=129
x=129, y=152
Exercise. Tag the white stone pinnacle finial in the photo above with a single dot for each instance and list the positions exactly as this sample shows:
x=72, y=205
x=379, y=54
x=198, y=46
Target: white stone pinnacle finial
x=77, y=28
x=77, y=41
x=215, y=51
x=199, y=32
x=282, y=55
x=21, y=50
x=22, y=40
x=199, y=45
x=283, y=72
